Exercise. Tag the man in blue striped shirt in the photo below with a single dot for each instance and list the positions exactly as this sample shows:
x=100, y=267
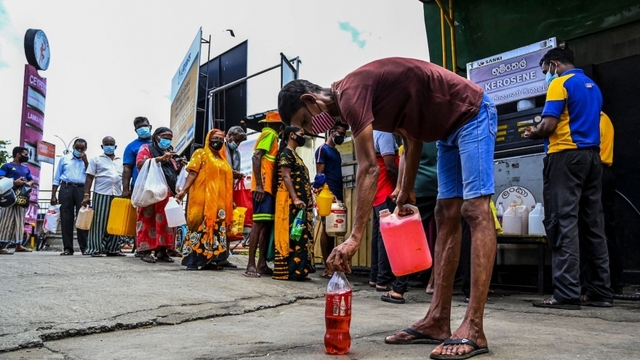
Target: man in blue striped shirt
x=70, y=177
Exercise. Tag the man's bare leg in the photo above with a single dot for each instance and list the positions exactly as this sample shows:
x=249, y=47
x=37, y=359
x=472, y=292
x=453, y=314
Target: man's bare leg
x=483, y=251
x=263, y=243
x=254, y=237
x=436, y=323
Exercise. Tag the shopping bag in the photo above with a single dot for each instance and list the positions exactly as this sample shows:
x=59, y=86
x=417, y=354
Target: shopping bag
x=182, y=179
x=238, y=220
x=154, y=189
x=51, y=218
x=242, y=198
x=23, y=193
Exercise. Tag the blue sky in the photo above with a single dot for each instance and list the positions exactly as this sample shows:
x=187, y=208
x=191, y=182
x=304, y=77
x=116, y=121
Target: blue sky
x=112, y=60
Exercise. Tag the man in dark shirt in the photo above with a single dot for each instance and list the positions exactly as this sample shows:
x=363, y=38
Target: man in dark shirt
x=329, y=164
x=422, y=102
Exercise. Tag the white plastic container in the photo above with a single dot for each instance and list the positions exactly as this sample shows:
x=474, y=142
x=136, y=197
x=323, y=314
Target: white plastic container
x=536, y=227
x=512, y=221
x=524, y=214
x=85, y=218
x=174, y=213
x=336, y=224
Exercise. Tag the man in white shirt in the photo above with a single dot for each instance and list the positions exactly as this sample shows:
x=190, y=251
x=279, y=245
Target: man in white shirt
x=106, y=169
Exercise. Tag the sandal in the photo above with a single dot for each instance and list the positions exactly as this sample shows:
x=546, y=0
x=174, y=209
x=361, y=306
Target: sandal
x=387, y=297
x=416, y=338
x=148, y=258
x=66, y=253
x=7, y=252
x=164, y=257
x=98, y=255
x=477, y=350
x=555, y=304
x=251, y=274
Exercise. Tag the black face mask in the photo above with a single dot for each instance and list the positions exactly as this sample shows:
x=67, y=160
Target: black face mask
x=23, y=158
x=216, y=144
x=300, y=140
x=338, y=140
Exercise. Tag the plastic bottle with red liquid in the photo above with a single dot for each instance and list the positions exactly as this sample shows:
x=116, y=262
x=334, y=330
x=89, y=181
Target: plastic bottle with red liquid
x=337, y=315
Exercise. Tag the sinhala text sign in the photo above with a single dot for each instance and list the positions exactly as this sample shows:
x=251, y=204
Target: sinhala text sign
x=513, y=75
x=184, y=94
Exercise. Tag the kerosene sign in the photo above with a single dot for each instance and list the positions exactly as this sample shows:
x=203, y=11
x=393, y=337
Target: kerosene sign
x=34, y=93
x=513, y=75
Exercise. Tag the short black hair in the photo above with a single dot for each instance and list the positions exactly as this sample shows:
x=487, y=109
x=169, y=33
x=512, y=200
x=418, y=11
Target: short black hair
x=139, y=120
x=80, y=140
x=562, y=55
x=18, y=150
x=289, y=98
x=286, y=133
x=339, y=124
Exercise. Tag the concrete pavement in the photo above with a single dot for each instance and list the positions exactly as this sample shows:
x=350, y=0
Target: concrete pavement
x=78, y=307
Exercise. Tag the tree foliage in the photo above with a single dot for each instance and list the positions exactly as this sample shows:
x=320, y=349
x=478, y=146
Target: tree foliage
x=4, y=154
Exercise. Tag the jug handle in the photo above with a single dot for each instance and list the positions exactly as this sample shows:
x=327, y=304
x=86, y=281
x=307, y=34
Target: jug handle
x=414, y=210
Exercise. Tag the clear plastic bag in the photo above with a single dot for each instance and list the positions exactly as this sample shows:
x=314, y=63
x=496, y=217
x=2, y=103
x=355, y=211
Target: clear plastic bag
x=151, y=185
x=182, y=179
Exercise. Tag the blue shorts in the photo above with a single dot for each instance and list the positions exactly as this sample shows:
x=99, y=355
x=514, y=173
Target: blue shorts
x=465, y=158
x=264, y=210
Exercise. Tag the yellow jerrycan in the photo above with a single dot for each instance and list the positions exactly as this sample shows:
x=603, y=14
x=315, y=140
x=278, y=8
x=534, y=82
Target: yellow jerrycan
x=324, y=200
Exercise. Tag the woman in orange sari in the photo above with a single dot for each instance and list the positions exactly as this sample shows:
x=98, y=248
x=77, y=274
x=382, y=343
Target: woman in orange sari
x=210, y=211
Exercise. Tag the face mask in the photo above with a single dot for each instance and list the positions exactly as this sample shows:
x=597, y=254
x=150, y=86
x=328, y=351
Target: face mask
x=338, y=140
x=232, y=145
x=550, y=77
x=216, y=144
x=164, y=144
x=23, y=158
x=300, y=140
x=144, y=132
x=322, y=122
x=77, y=153
x=109, y=149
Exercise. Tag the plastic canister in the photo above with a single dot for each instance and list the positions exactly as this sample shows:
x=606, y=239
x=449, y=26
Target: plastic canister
x=405, y=241
x=324, y=199
x=336, y=224
x=85, y=218
x=536, y=227
x=512, y=221
x=524, y=214
x=174, y=213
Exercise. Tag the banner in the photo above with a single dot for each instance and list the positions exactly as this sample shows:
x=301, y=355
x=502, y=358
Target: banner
x=184, y=97
x=513, y=75
x=31, y=129
x=46, y=152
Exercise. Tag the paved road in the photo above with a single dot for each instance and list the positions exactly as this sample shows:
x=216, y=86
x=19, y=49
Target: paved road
x=121, y=308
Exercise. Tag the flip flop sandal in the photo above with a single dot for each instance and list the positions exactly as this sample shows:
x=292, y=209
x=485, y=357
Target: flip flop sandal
x=418, y=338
x=372, y=283
x=477, y=350
x=165, y=258
x=148, y=259
x=251, y=274
x=98, y=255
x=7, y=252
x=552, y=303
x=385, y=288
x=386, y=297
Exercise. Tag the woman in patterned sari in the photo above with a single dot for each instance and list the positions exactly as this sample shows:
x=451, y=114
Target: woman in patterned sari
x=294, y=258
x=152, y=230
x=210, y=211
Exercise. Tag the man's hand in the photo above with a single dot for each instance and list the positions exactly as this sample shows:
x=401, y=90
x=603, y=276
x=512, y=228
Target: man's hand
x=180, y=195
x=258, y=193
x=401, y=198
x=18, y=182
x=340, y=257
x=54, y=199
x=166, y=157
x=86, y=201
x=126, y=193
x=237, y=174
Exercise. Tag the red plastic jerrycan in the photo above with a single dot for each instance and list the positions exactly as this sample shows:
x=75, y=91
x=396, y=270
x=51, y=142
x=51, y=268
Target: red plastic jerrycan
x=405, y=241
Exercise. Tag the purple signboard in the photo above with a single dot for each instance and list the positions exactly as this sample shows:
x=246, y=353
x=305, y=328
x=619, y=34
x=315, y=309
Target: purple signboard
x=31, y=129
x=514, y=75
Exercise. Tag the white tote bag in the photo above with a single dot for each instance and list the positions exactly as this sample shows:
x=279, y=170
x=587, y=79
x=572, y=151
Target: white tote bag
x=51, y=218
x=154, y=188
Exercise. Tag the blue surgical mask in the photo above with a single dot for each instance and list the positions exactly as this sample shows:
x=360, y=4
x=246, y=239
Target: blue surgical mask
x=77, y=153
x=550, y=77
x=144, y=132
x=109, y=149
x=164, y=144
x=232, y=145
